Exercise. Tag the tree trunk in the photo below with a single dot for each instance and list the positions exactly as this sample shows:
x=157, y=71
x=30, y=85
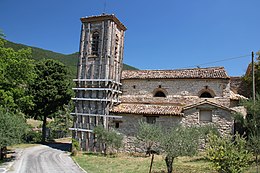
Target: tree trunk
x=44, y=129
x=169, y=161
x=257, y=169
x=105, y=149
x=1, y=154
x=151, y=165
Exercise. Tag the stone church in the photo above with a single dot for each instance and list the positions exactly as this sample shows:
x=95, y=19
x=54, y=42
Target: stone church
x=168, y=97
x=108, y=96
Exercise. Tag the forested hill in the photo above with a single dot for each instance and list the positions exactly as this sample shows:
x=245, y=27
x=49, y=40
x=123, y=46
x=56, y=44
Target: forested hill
x=69, y=60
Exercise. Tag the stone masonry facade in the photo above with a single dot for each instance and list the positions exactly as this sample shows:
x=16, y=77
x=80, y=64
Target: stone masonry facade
x=169, y=97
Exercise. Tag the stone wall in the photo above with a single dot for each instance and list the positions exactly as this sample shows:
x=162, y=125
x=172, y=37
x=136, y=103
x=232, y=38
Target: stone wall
x=129, y=125
x=222, y=119
x=179, y=91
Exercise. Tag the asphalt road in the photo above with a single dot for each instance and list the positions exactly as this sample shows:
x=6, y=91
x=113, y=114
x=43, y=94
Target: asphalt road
x=45, y=159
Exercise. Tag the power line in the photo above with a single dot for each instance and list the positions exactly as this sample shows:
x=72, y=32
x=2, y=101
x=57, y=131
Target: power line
x=222, y=60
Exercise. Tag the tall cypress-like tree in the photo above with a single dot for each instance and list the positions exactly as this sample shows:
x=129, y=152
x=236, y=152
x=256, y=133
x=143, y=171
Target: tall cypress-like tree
x=51, y=91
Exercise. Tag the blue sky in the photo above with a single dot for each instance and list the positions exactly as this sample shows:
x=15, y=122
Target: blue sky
x=165, y=34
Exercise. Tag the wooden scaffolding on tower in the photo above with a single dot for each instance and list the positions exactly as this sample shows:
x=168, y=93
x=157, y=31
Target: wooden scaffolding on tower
x=98, y=76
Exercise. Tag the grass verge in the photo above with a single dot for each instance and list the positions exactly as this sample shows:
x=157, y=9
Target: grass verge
x=124, y=163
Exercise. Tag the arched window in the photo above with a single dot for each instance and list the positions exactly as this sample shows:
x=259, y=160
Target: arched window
x=206, y=94
x=95, y=43
x=159, y=94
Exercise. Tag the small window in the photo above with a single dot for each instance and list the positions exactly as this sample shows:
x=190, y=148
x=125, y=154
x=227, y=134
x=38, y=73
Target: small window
x=159, y=94
x=205, y=116
x=206, y=95
x=151, y=120
x=95, y=43
x=117, y=125
x=116, y=45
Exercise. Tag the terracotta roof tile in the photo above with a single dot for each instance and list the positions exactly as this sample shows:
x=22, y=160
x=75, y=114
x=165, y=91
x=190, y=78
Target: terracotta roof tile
x=195, y=73
x=234, y=96
x=147, y=109
x=206, y=102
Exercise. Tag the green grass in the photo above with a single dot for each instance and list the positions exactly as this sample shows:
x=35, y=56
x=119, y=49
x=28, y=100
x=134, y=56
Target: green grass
x=96, y=163
x=125, y=163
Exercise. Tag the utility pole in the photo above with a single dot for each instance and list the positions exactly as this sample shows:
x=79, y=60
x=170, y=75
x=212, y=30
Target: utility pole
x=253, y=77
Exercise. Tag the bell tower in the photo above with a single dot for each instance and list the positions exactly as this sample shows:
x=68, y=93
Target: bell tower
x=98, y=84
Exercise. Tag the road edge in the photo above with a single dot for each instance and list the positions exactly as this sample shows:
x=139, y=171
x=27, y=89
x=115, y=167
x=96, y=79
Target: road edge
x=78, y=165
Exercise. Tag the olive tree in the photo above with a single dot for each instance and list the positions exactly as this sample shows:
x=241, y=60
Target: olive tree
x=108, y=139
x=174, y=142
x=179, y=141
x=149, y=134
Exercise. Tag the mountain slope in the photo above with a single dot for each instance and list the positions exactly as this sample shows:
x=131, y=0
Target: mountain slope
x=69, y=60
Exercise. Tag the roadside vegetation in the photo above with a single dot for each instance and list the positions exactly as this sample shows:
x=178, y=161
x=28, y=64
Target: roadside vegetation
x=136, y=163
x=139, y=163
x=30, y=89
x=175, y=150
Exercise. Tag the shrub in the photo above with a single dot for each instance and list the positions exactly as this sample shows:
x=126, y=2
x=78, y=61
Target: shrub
x=108, y=138
x=74, y=147
x=32, y=136
x=228, y=155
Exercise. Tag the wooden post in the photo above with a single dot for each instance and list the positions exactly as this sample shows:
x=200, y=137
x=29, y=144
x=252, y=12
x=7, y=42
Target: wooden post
x=253, y=78
x=151, y=165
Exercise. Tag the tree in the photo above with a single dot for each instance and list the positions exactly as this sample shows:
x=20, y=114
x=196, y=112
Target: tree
x=16, y=73
x=51, y=90
x=175, y=142
x=246, y=84
x=61, y=123
x=251, y=125
x=228, y=154
x=149, y=134
x=107, y=138
x=12, y=128
x=179, y=141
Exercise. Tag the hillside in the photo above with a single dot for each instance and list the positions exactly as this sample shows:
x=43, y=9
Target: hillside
x=69, y=60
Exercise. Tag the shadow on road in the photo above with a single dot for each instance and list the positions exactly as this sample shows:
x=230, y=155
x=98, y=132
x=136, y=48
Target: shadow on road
x=60, y=146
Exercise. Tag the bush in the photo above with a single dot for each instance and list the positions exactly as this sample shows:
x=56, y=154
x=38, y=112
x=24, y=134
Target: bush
x=75, y=144
x=228, y=155
x=74, y=147
x=32, y=136
x=108, y=138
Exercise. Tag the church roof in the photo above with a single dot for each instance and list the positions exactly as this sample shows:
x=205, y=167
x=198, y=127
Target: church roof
x=195, y=73
x=206, y=102
x=234, y=96
x=147, y=109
